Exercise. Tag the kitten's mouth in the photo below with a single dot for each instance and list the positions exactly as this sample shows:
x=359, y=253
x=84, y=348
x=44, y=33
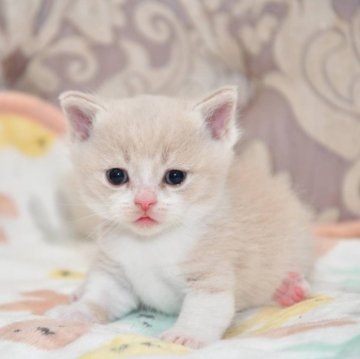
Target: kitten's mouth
x=146, y=221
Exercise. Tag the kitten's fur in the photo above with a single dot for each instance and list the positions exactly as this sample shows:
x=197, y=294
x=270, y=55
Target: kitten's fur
x=225, y=238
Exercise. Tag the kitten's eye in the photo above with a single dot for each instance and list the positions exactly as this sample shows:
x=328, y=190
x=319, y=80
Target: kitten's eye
x=117, y=176
x=174, y=177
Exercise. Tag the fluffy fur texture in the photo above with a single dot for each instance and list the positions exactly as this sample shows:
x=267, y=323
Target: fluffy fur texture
x=221, y=241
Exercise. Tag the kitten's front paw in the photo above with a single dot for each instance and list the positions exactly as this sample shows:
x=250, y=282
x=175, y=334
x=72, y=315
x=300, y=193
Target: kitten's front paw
x=75, y=312
x=182, y=337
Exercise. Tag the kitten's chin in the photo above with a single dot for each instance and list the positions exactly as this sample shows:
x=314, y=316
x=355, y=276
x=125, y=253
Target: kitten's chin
x=146, y=228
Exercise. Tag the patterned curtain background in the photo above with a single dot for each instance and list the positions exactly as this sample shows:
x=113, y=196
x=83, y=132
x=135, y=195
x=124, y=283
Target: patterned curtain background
x=300, y=58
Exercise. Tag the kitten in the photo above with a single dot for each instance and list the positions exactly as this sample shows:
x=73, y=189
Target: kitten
x=186, y=227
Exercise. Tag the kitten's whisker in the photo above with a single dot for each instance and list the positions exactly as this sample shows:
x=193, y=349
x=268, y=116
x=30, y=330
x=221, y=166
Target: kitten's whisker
x=111, y=227
x=73, y=205
x=92, y=235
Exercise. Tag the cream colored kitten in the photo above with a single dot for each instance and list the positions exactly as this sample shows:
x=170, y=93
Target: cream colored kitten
x=186, y=228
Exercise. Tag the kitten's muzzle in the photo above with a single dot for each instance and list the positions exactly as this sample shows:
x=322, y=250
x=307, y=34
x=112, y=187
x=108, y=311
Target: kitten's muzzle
x=145, y=198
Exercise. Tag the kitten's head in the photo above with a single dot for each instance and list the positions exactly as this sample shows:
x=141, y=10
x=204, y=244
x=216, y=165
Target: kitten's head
x=150, y=163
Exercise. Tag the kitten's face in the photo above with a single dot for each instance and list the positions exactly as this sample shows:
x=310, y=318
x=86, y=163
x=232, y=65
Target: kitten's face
x=151, y=163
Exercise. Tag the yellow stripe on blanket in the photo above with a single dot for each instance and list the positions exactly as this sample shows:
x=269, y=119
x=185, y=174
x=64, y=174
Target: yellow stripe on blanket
x=66, y=274
x=133, y=345
x=273, y=317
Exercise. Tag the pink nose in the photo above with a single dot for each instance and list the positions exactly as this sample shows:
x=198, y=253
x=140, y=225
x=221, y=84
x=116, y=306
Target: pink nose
x=145, y=198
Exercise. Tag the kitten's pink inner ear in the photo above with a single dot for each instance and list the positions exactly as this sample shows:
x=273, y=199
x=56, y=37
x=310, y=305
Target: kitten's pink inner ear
x=218, y=111
x=81, y=122
x=81, y=111
x=218, y=120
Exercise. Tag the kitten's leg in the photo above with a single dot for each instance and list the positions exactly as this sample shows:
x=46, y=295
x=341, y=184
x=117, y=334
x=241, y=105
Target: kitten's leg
x=292, y=290
x=105, y=295
x=203, y=318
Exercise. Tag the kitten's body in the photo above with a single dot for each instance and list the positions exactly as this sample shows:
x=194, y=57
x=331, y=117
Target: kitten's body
x=223, y=241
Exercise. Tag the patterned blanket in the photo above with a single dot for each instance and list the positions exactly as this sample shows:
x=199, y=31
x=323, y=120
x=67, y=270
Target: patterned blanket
x=36, y=278
x=39, y=267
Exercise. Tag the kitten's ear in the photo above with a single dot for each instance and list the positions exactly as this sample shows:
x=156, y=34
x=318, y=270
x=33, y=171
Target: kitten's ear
x=218, y=111
x=80, y=110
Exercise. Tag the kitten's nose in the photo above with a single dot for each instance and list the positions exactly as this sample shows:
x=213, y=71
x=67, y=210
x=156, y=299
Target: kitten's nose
x=145, y=198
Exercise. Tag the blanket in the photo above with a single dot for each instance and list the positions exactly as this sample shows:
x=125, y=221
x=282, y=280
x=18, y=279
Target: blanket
x=34, y=279
x=40, y=266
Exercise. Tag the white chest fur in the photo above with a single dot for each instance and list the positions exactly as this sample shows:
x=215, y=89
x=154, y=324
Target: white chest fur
x=153, y=266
